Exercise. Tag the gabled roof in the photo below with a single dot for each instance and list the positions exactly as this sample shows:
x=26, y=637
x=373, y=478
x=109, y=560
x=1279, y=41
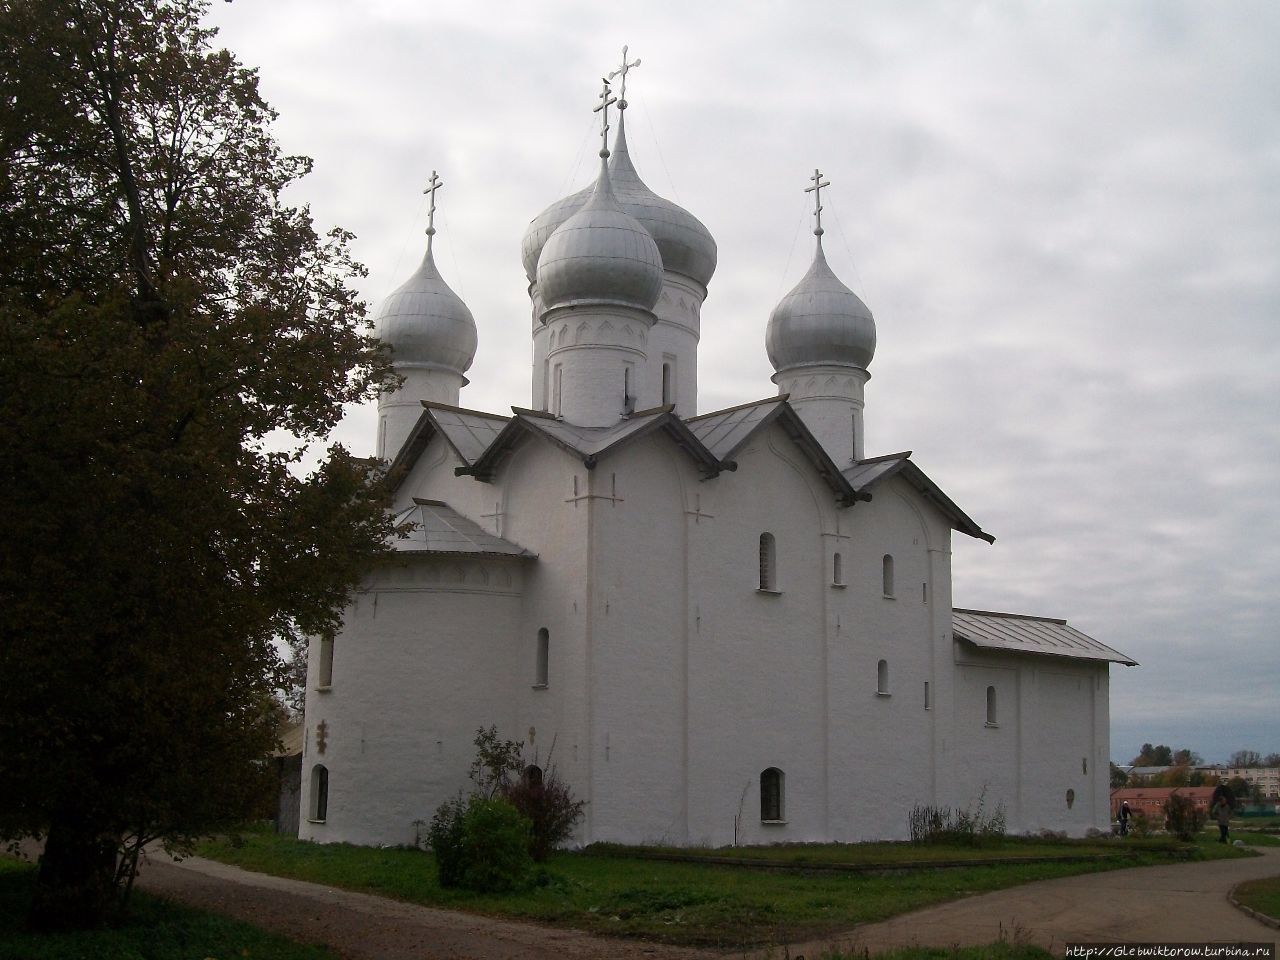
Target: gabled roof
x=589, y=443
x=865, y=474
x=725, y=432
x=1016, y=633
x=435, y=527
x=468, y=432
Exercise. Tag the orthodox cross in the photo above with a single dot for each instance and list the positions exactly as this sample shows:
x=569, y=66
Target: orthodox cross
x=816, y=190
x=603, y=108
x=436, y=184
x=322, y=736
x=622, y=71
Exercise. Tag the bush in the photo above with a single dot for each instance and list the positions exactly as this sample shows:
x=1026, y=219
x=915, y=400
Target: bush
x=1182, y=817
x=481, y=845
x=549, y=805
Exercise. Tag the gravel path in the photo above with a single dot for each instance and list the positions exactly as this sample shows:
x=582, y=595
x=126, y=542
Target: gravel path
x=1178, y=902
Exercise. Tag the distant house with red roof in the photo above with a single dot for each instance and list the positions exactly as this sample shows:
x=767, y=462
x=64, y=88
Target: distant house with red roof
x=1150, y=800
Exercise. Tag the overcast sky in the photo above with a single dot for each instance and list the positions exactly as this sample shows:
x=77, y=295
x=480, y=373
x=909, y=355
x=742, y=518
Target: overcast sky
x=1064, y=216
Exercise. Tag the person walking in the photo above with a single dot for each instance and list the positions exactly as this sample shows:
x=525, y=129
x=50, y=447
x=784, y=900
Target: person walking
x=1222, y=812
x=1124, y=815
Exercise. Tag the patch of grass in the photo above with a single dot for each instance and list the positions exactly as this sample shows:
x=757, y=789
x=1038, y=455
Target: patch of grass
x=155, y=930
x=622, y=893
x=1261, y=895
x=1000, y=950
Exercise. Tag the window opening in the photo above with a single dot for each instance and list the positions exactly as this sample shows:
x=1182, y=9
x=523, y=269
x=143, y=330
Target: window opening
x=533, y=775
x=325, y=678
x=882, y=678
x=928, y=704
x=666, y=383
x=543, y=655
x=837, y=569
x=991, y=706
x=771, y=808
x=768, y=562
x=319, y=793
x=887, y=574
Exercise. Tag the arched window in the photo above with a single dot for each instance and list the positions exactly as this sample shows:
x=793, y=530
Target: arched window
x=540, y=671
x=837, y=570
x=887, y=574
x=558, y=408
x=319, y=811
x=533, y=775
x=768, y=562
x=324, y=676
x=771, y=795
x=882, y=678
x=991, y=706
x=666, y=384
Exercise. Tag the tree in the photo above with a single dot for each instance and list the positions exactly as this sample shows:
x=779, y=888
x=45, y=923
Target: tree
x=1154, y=756
x=162, y=314
x=1186, y=758
x=1271, y=760
x=1118, y=777
x=1245, y=758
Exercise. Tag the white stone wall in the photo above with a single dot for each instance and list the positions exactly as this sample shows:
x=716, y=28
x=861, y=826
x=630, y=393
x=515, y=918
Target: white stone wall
x=674, y=681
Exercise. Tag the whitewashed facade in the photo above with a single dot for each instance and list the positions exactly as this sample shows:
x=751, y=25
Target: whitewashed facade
x=717, y=627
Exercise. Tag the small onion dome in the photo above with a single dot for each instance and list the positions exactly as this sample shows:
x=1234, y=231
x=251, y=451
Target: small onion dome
x=426, y=323
x=600, y=255
x=686, y=246
x=821, y=321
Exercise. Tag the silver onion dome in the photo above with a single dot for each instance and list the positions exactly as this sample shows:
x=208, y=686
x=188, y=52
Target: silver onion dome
x=426, y=323
x=821, y=321
x=601, y=254
x=686, y=246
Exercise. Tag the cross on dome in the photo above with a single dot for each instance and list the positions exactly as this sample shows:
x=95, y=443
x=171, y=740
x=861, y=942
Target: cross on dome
x=623, y=71
x=435, y=184
x=816, y=190
x=603, y=108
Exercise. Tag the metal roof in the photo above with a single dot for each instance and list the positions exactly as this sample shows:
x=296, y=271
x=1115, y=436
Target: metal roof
x=724, y=431
x=1016, y=633
x=469, y=432
x=866, y=473
x=438, y=528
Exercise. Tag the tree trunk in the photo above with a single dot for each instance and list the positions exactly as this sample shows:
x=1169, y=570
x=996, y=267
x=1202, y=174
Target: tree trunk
x=75, y=882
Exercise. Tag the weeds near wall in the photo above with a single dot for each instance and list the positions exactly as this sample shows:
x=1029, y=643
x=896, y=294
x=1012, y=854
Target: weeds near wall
x=970, y=826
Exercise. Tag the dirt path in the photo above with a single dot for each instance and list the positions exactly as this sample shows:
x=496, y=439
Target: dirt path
x=1178, y=902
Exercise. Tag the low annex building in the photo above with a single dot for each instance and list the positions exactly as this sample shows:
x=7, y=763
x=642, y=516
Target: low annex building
x=714, y=624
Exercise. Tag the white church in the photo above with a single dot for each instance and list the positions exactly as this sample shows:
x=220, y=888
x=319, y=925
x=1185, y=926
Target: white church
x=718, y=626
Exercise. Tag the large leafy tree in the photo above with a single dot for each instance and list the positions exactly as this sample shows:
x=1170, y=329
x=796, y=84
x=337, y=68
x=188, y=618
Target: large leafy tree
x=165, y=318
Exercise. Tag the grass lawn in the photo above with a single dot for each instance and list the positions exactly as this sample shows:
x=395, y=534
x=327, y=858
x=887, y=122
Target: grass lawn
x=156, y=931
x=1261, y=895
x=619, y=892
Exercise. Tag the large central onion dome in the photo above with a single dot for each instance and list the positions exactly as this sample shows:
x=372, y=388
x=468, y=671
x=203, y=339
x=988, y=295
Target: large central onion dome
x=426, y=323
x=685, y=245
x=821, y=321
x=600, y=255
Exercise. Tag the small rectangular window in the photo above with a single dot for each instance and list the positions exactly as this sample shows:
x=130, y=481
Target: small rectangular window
x=928, y=704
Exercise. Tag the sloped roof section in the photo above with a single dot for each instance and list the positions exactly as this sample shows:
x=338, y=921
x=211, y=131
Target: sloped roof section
x=724, y=431
x=469, y=432
x=1016, y=633
x=590, y=443
x=437, y=528
x=865, y=474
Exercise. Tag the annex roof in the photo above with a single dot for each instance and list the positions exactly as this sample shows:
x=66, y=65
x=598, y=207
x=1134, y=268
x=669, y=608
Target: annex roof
x=865, y=474
x=435, y=527
x=1016, y=633
x=468, y=432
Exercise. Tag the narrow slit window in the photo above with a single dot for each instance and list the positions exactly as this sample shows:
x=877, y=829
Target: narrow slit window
x=324, y=678
x=319, y=811
x=991, y=707
x=771, y=797
x=666, y=383
x=542, y=657
x=882, y=678
x=837, y=569
x=886, y=573
x=768, y=562
x=928, y=703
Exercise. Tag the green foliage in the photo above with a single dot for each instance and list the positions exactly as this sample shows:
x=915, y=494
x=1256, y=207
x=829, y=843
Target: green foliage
x=1182, y=817
x=548, y=804
x=619, y=892
x=943, y=825
x=162, y=313
x=1118, y=777
x=1261, y=895
x=481, y=845
x=495, y=763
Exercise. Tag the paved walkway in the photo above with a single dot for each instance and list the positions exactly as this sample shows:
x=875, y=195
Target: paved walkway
x=1178, y=902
